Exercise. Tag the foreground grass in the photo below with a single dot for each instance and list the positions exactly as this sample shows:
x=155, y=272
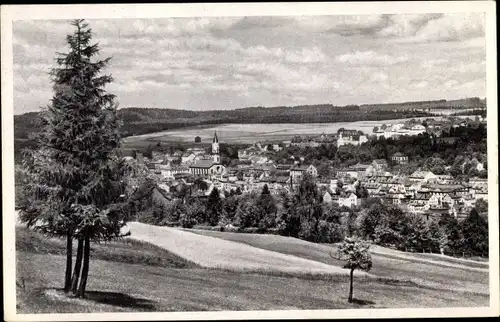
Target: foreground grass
x=124, y=250
x=414, y=269
x=115, y=286
x=162, y=285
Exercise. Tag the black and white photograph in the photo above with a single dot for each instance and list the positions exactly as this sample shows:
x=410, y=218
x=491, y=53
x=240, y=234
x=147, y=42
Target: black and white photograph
x=249, y=161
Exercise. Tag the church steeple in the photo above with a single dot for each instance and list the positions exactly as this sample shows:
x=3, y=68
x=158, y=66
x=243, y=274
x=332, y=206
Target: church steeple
x=215, y=149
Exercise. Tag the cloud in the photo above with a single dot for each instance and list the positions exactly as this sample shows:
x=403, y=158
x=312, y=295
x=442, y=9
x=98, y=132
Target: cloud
x=234, y=62
x=379, y=77
x=420, y=84
x=248, y=23
x=347, y=25
x=446, y=28
x=370, y=58
x=400, y=26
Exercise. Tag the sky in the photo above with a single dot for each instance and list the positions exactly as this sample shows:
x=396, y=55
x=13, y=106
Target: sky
x=234, y=62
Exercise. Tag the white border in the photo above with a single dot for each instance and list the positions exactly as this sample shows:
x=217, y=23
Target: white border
x=12, y=13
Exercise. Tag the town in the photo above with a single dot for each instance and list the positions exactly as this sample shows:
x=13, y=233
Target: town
x=249, y=164
x=419, y=192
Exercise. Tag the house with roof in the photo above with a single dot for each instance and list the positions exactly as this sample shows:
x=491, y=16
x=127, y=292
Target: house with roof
x=480, y=193
x=188, y=157
x=298, y=171
x=258, y=159
x=349, y=200
x=361, y=169
x=327, y=197
x=399, y=158
x=421, y=176
x=417, y=129
x=380, y=165
x=352, y=137
x=248, y=152
x=379, y=133
x=347, y=173
x=478, y=182
x=169, y=171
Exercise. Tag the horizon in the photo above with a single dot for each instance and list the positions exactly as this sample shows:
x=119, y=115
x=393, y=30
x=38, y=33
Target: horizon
x=230, y=63
x=291, y=106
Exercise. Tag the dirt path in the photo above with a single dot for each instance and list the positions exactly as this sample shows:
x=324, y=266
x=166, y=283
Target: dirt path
x=218, y=253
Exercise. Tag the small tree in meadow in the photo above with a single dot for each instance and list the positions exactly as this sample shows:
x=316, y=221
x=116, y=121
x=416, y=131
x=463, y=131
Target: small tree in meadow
x=355, y=252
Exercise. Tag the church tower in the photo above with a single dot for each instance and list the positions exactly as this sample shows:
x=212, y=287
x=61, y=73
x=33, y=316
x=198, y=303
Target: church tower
x=215, y=149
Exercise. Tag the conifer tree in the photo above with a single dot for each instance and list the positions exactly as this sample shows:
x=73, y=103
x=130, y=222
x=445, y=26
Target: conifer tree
x=75, y=186
x=214, y=207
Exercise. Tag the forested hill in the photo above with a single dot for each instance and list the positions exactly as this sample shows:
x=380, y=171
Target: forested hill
x=466, y=103
x=137, y=120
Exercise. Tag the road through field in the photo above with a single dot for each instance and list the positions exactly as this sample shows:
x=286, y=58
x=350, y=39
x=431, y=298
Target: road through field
x=214, y=252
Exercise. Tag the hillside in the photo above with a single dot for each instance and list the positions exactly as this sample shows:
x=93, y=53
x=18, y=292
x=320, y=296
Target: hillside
x=134, y=276
x=138, y=120
x=465, y=103
x=441, y=273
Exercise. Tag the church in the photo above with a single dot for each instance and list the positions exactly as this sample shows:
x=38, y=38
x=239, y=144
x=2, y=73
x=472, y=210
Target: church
x=209, y=167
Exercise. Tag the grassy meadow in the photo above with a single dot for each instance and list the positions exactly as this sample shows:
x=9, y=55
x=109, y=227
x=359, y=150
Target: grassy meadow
x=249, y=133
x=442, y=273
x=124, y=278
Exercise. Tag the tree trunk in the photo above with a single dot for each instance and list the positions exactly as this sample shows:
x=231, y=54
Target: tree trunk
x=85, y=271
x=78, y=266
x=69, y=260
x=350, y=286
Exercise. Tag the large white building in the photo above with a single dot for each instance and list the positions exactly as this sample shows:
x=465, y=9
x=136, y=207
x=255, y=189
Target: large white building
x=397, y=130
x=350, y=137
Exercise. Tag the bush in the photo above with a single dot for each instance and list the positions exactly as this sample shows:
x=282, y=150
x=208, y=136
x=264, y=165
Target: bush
x=250, y=230
x=187, y=221
x=168, y=223
x=146, y=217
x=204, y=227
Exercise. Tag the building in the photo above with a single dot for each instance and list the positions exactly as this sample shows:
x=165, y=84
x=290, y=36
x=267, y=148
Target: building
x=417, y=129
x=380, y=165
x=210, y=167
x=349, y=200
x=297, y=171
x=350, y=137
x=421, y=176
x=188, y=157
x=399, y=158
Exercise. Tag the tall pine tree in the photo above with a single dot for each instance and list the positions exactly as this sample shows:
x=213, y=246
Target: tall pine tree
x=75, y=185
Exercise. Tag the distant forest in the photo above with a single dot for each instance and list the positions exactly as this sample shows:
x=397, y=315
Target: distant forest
x=138, y=120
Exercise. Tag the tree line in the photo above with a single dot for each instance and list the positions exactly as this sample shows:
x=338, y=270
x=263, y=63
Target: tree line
x=424, y=151
x=303, y=214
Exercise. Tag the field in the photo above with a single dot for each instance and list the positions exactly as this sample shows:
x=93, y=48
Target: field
x=250, y=133
x=115, y=285
x=218, y=253
x=437, y=273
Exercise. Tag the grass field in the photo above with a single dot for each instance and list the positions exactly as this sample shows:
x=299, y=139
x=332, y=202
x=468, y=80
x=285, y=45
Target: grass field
x=212, y=252
x=386, y=263
x=125, y=251
x=116, y=286
x=250, y=133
